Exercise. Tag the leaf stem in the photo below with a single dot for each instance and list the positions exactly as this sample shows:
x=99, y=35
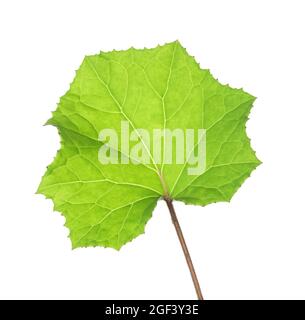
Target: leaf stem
x=176, y=224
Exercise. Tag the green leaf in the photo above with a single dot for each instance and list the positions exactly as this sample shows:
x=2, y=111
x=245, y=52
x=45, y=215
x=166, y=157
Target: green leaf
x=109, y=205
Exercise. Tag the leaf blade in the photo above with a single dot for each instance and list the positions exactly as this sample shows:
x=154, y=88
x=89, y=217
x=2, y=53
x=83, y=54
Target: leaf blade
x=163, y=87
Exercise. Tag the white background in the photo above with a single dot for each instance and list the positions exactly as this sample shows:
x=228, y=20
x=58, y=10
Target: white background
x=251, y=248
